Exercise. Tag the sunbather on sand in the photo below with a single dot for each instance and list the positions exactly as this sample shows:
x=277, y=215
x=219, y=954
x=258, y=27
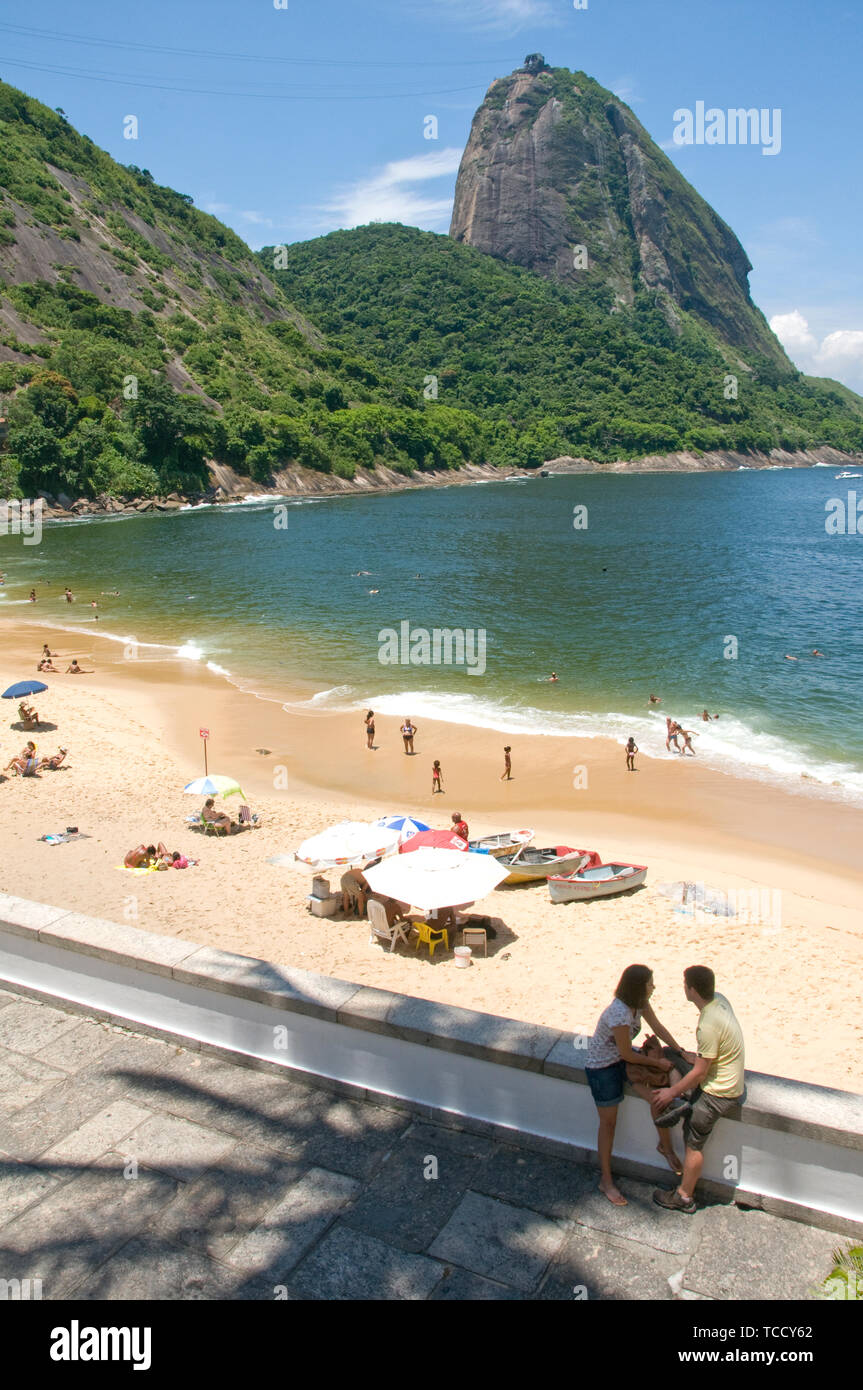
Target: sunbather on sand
x=26, y=762
x=28, y=716
x=55, y=761
x=215, y=817
x=76, y=670
x=144, y=856
x=173, y=859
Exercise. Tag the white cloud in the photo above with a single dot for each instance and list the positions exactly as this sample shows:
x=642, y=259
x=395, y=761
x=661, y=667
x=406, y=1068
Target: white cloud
x=792, y=330
x=257, y=218
x=845, y=346
x=839, y=354
x=217, y=208
x=509, y=15
x=388, y=196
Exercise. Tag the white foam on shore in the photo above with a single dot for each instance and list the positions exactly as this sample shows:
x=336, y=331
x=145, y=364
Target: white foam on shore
x=727, y=745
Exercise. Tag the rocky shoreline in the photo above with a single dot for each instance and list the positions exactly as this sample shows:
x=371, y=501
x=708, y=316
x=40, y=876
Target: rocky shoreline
x=228, y=486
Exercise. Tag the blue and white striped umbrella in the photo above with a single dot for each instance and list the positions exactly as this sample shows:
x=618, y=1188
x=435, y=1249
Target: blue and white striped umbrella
x=405, y=825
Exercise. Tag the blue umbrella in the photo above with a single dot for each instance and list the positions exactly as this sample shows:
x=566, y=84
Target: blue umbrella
x=405, y=825
x=15, y=692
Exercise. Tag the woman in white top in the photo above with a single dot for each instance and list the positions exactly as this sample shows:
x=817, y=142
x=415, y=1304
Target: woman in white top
x=608, y=1052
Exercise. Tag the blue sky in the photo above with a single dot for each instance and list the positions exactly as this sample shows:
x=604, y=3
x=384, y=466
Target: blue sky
x=289, y=122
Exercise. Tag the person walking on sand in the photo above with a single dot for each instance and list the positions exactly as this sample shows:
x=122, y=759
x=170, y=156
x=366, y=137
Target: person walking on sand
x=608, y=1053
x=408, y=731
x=717, y=1074
x=686, y=735
x=506, y=775
x=370, y=729
x=436, y=775
x=631, y=750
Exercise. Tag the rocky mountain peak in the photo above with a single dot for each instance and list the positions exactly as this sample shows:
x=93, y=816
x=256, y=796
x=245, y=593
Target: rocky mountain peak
x=560, y=176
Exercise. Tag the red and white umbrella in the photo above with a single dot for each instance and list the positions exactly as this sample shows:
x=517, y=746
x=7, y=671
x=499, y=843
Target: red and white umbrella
x=434, y=839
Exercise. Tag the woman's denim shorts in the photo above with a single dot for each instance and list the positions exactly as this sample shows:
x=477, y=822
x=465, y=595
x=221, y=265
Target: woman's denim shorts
x=606, y=1083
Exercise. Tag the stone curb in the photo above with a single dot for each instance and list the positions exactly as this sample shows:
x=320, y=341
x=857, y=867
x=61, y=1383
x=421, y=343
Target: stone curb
x=811, y=1112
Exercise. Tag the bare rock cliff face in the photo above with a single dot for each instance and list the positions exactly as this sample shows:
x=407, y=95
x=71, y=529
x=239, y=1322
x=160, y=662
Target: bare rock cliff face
x=560, y=177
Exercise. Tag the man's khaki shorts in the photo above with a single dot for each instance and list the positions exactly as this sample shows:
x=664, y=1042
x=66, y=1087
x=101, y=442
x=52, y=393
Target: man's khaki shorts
x=706, y=1110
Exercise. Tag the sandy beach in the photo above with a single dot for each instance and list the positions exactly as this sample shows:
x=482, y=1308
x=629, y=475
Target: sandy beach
x=132, y=734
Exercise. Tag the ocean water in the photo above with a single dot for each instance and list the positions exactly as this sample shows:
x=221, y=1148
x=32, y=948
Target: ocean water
x=690, y=586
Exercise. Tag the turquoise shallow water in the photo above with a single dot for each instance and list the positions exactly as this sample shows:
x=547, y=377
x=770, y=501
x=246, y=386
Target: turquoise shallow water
x=643, y=600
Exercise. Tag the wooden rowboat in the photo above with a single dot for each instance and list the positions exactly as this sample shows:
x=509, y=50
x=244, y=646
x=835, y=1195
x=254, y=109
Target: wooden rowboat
x=507, y=842
x=601, y=881
x=532, y=865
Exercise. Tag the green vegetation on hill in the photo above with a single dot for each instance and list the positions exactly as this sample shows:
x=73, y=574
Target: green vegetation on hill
x=140, y=338
x=143, y=293
x=550, y=369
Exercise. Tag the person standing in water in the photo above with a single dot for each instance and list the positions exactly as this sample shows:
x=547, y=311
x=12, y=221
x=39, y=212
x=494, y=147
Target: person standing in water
x=631, y=750
x=436, y=776
x=506, y=775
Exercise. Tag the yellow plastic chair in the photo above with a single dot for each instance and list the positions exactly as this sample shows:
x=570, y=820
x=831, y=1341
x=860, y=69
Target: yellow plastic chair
x=432, y=936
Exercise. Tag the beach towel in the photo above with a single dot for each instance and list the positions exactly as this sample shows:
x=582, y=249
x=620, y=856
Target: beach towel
x=150, y=869
x=64, y=838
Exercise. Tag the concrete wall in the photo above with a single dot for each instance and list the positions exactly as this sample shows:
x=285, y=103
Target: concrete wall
x=794, y=1149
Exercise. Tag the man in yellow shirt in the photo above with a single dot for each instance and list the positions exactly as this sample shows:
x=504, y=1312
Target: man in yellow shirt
x=716, y=1075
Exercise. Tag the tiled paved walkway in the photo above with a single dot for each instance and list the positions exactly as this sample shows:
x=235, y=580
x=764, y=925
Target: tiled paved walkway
x=131, y=1168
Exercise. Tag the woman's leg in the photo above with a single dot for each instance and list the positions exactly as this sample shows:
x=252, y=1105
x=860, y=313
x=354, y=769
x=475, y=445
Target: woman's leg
x=666, y=1144
x=604, y=1145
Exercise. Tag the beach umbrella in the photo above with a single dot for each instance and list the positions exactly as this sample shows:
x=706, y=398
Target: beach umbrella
x=214, y=785
x=434, y=839
x=432, y=878
x=407, y=826
x=15, y=692
x=349, y=842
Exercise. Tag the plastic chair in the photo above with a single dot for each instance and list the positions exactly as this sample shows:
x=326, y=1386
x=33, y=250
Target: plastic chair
x=432, y=936
x=380, y=929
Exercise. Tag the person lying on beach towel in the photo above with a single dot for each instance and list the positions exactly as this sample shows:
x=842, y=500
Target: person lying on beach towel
x=174, y=860
x=144, y=856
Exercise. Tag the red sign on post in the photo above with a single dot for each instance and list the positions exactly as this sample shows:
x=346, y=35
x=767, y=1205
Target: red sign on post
x=205, y=733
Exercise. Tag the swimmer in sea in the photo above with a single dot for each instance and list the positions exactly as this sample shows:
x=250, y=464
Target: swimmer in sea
x=791, y=658
x=554, y=677
x=654, y=699
x=815, y=652
x=374, y=591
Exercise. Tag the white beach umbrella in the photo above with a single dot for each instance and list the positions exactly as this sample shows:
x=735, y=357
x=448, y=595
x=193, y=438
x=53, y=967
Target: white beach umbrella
x=349, y=842
x=433, y=878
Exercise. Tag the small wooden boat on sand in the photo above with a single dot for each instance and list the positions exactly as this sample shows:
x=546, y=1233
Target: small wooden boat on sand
x=507, y=842
x=532, y=865
x=601, y=881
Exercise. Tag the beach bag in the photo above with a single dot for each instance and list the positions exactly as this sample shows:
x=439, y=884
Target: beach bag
x=642, y=1073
